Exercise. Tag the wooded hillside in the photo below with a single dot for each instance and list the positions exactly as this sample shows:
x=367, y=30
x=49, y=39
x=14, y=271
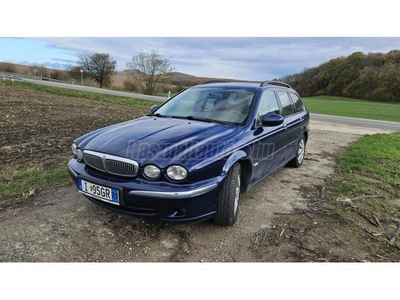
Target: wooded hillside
x=373, y=76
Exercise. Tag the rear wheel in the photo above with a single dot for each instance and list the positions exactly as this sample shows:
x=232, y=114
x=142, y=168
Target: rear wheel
x=301, y=151
x=228, y=201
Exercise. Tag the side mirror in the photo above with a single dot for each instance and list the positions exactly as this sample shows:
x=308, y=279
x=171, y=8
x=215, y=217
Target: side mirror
x=154, y=107
x=272, y=120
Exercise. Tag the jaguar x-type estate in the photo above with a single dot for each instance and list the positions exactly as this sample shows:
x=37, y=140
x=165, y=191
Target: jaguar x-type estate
x=192, y=157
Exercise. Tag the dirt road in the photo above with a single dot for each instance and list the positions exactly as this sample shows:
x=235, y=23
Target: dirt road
x=63, y=226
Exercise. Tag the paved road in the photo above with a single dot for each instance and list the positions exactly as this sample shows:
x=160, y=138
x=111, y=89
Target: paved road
x=96, y=90
x=384, y=125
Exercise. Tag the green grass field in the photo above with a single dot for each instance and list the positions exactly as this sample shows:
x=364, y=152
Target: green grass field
x=346, y=107
x=374, y=156
x=370, y=170
x=17, y=183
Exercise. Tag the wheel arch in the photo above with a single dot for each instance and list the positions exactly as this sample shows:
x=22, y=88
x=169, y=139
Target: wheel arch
x=246, y=167
x=305, y=133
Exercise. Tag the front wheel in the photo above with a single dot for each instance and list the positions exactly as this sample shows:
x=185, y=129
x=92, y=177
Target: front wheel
x=301, y=151
x=228, y=201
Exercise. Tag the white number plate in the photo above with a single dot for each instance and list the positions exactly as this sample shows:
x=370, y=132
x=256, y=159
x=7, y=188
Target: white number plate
x=98, y=191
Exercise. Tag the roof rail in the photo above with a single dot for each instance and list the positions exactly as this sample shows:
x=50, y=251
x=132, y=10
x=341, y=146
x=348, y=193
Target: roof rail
x=214, y=81
x=273, y=82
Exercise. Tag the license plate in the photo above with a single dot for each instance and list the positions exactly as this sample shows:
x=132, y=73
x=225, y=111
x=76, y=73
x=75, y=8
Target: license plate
x=97, y=191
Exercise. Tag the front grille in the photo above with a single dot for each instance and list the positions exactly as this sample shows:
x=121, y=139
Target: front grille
x=94, y=161
x=120, y=168
x=111, y=164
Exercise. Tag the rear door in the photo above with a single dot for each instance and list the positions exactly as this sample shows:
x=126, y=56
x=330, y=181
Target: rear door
x=292, y=124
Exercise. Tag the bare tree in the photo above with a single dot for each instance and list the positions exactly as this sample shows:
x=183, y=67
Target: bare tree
x=147, y=69
x=100, y=66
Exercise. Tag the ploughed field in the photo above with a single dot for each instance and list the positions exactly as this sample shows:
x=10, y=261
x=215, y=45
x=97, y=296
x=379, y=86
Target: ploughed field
x=37, y=128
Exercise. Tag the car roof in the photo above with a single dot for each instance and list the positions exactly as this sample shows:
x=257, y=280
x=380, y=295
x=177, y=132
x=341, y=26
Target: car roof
x=248, y=85
x=230, y=84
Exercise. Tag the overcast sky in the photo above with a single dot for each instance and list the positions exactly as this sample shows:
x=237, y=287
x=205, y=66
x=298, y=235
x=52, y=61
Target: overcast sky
x=245, y=41
x=235, y=58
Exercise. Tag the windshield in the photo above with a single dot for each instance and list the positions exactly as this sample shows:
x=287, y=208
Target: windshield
x=224, y=105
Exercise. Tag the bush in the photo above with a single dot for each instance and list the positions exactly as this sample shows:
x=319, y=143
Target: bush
x=59, y=75
x=7, y=67
x=131, y=86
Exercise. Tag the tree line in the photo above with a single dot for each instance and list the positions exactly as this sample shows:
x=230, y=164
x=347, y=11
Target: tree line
x=146, y=69
x=373, y=76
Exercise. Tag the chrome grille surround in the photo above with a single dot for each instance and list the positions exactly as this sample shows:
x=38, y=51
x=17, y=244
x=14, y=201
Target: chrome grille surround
x=111, y=164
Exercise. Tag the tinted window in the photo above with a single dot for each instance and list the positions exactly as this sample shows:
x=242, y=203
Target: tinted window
x=268, y=104
x=224, y=104
x=287, y=106
x=297, y=102
x=210, y=100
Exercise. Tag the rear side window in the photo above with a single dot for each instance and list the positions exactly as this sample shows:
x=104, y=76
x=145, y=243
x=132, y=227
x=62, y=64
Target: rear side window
x=287, y=107
x=298, y=104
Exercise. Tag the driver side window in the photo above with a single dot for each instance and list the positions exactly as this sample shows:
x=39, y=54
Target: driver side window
x=268, y=105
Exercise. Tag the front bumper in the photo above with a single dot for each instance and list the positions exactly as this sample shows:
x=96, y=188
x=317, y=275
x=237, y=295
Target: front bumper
x=163, y=201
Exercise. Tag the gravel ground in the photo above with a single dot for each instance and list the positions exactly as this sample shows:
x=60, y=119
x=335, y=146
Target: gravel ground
x=62, y=226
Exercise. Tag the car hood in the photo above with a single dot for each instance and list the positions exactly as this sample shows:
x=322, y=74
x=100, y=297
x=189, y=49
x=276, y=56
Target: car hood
x=163, y=141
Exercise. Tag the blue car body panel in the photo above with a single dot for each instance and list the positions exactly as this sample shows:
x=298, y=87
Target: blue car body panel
x=207, y=150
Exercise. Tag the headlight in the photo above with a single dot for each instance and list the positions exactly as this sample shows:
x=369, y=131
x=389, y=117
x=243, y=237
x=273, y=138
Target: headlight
x=151, y=172
x=73, y=148
x=79, y=154
x=176, y=172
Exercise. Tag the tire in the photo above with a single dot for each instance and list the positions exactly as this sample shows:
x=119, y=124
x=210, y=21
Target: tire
x=228, y=201
x=297, y=161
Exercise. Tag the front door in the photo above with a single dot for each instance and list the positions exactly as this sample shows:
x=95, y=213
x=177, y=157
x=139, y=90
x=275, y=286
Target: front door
x=268, y=149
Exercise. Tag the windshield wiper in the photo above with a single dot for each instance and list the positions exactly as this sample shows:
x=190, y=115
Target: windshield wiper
x=196, y=118
x=157, y=115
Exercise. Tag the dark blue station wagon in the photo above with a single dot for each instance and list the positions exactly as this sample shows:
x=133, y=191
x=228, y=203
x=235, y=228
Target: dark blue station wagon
x=192, y=156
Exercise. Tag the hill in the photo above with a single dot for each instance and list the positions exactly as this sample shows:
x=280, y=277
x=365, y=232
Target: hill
x=120, y=81
x=372, y=76
x=180, y=75
x=35, y=70
x=173, y=82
